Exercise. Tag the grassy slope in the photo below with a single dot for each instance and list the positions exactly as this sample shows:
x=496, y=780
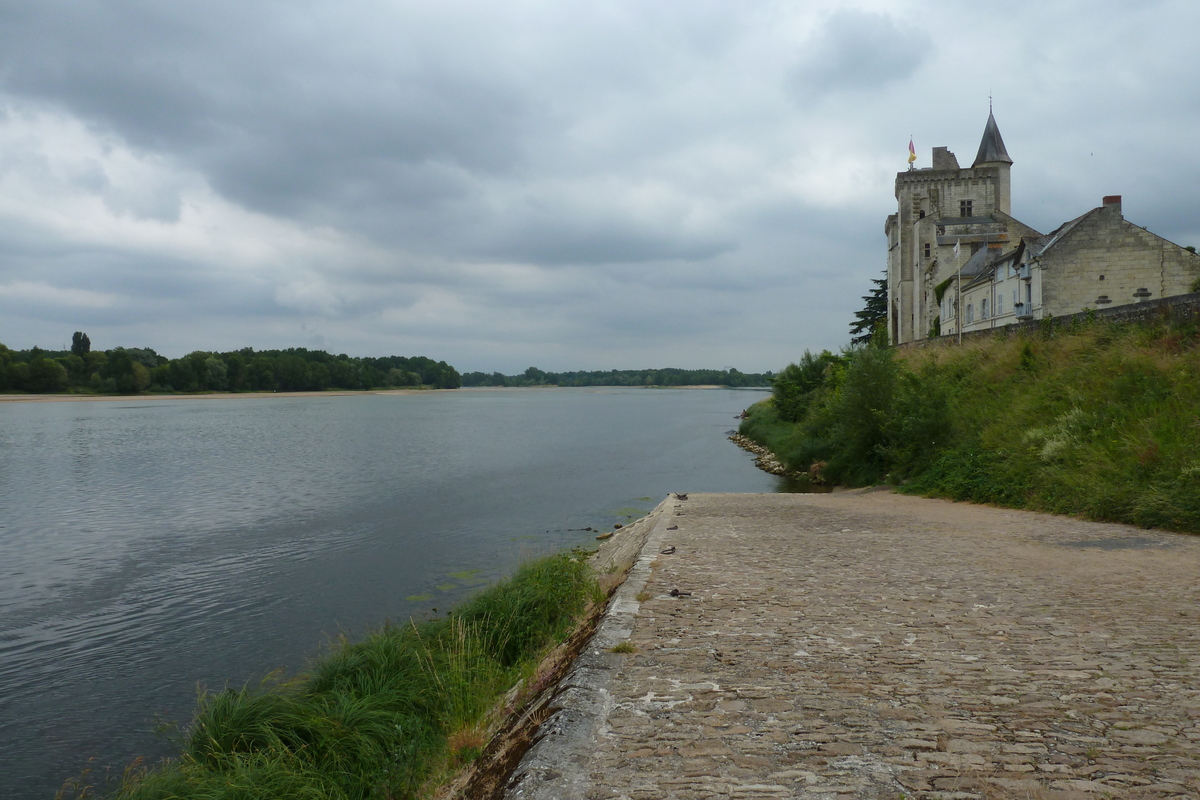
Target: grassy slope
x=380, y=717
x=1098, y=420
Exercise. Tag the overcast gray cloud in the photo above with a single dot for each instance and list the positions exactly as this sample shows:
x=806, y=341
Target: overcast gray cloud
x=613, y=184
x=856, y=49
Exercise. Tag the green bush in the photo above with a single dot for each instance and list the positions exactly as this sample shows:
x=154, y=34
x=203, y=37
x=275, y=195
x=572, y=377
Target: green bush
x=1097, y=419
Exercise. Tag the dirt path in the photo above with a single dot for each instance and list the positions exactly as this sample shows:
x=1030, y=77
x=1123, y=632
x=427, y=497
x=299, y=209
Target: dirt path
x=880, y=646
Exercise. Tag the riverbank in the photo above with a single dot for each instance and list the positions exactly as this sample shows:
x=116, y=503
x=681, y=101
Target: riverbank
x=1097, y=419
x=428, y=709
x=869, y=644
x=402, y=710
x=71, y=398
x=88, y=398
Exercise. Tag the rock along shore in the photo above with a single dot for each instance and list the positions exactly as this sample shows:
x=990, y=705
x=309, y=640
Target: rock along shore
x=870, y=645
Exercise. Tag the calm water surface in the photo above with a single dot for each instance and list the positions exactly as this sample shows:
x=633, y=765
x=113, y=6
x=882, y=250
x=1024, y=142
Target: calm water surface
x=150, y=546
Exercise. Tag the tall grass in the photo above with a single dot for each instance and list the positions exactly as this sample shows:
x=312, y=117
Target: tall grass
x=372, y=719
x=1100, y=419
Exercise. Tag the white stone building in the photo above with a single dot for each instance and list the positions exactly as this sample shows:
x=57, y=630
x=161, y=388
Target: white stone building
x=958, y=259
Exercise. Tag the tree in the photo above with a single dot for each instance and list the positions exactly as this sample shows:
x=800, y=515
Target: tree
x=81, y=345
x=46, y=375
x=796, y=384
x=874, y=314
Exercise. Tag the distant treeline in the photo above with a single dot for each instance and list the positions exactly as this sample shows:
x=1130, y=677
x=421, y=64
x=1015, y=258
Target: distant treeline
x=621, y=377
x=129, y=370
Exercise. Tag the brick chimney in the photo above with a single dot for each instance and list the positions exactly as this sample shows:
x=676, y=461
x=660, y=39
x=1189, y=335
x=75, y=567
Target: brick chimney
x=1113, y=201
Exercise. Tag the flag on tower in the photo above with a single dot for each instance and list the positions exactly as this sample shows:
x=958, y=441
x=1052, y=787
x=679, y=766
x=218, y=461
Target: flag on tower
x=912, y=152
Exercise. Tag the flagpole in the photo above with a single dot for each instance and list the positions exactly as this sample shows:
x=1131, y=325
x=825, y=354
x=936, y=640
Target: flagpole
x=958, y=314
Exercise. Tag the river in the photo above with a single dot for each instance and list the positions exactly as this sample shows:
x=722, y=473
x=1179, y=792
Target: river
x=151, y=546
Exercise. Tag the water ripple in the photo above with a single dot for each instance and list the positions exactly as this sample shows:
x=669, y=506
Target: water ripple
x=148, y=548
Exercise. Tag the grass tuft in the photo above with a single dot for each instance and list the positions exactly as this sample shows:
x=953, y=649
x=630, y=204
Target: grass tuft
x=383, y=716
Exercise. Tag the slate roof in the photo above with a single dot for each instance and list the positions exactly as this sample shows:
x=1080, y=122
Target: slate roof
x=981, y=265
x=1039, y=245
x=976, y=264
x=991, y=148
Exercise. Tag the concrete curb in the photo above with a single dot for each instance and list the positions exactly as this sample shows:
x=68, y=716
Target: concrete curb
x=555, y=767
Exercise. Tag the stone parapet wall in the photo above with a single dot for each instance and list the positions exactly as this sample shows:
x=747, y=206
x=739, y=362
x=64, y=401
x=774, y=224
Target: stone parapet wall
x=1180, y=307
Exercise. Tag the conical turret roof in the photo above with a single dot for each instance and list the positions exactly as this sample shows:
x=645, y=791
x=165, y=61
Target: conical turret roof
x=991, y=148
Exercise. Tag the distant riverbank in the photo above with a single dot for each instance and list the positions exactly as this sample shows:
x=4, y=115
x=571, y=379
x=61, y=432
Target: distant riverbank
x=71, y=398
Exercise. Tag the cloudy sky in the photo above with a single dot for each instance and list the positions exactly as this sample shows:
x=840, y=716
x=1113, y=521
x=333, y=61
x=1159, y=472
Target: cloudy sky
x=593, y=185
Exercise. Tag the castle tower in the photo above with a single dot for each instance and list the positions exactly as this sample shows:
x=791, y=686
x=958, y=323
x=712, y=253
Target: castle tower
x=938, y=207
x=992, y=154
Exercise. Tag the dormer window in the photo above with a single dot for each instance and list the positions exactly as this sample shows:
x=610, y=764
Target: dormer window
x=964, y=208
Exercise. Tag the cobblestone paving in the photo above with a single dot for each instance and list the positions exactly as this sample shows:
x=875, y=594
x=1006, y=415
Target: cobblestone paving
x=878, y=646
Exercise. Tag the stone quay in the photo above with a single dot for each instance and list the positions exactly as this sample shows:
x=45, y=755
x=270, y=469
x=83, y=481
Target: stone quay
x=864, y=644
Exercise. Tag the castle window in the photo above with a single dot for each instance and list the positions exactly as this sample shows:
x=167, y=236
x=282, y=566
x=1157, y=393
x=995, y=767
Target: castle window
x=927, y=249
x=964, y=208
x=983, y=309
x=1000, y=304
x=970, y=313
x=921, y=215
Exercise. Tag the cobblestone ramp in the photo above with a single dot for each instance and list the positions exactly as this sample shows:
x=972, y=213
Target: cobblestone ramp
x=876, y=646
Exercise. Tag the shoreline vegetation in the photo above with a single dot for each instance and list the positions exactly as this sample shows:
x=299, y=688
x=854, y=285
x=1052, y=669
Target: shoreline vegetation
x=70, y=398
x=1096, y=419
x=404, y=713
x=662, y=378
x=134, y=371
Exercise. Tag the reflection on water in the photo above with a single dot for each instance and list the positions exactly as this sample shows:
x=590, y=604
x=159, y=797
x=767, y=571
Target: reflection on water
x=147, y=547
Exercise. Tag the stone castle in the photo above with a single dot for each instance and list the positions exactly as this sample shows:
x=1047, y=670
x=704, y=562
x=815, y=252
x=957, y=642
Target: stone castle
x=958, y=261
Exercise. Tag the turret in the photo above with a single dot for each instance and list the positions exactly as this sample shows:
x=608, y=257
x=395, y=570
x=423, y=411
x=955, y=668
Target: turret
x=992, y=154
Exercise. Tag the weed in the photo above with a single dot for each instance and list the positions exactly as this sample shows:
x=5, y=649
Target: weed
x=643, y=596
x=623, y=647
